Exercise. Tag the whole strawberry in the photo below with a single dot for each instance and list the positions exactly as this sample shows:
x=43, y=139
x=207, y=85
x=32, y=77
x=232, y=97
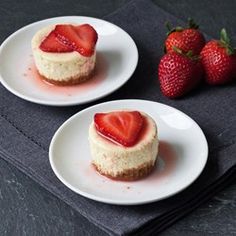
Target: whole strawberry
x=186, y=39
x=178, y=74
x=219, y=60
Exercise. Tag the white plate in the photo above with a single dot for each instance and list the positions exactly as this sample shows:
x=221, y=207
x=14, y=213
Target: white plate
x=117, y=60
x=182, y=157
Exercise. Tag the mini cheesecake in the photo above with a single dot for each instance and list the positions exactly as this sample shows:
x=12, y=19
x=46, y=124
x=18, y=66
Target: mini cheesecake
x=65, y=54
x=118, y=155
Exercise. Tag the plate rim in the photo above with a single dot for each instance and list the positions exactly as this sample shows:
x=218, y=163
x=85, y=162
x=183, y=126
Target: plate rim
x=121, y=202
x=61, y=103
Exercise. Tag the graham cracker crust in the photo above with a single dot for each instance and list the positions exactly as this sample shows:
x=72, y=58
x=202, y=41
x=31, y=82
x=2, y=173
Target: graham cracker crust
x=129, y=174
x=72, y=81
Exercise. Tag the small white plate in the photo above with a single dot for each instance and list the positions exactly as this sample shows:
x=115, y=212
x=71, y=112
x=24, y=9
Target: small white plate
x=182, y=156
x=116, y=62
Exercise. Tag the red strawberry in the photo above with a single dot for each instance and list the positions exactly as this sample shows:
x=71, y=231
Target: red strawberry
x=87, y=33
x=52, y=44
x=186, y=39
x=122, y=127
x=219, y=60
x=234, y=74
x=81, y=38
x=178, y=74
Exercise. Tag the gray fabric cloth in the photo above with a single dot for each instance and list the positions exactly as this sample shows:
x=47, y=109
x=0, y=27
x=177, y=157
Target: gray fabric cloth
x=27, y=128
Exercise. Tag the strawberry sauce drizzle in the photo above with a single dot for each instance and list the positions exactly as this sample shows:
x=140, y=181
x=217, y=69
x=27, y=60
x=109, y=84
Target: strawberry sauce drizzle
x=169, y=157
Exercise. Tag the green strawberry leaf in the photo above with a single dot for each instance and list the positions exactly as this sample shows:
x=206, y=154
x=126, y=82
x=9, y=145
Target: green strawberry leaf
x=192, y=24
x=225, y=42
x=188, y=54
x=224, y=37
x=177, y=50
x=171, y=29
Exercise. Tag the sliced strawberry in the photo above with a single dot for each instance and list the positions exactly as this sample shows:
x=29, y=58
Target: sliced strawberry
x=52, y=44
x=87, y=33
x=122, y=127
x=81, y=40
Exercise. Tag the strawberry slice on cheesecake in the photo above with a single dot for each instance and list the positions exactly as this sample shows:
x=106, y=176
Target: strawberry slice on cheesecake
x=123, y=144
x=121, y=127
x=65, y=53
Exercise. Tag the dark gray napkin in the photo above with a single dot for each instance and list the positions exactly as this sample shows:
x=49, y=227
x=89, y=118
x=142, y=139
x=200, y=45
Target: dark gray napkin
x=27, y=128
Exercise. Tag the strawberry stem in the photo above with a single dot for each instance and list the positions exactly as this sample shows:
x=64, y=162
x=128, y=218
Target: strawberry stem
x=178, y=28
x=225, y=42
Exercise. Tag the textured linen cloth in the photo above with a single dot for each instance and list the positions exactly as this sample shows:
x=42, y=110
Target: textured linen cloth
x=27, y=128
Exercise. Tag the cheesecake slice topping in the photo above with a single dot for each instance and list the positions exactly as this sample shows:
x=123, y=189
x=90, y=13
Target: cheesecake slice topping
x=120, y=127
x=68, y=38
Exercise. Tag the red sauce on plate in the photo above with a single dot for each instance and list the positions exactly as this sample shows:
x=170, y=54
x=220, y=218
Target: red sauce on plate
x=99, y=76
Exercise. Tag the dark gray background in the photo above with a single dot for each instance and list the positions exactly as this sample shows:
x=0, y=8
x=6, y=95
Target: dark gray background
x=28, y=209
